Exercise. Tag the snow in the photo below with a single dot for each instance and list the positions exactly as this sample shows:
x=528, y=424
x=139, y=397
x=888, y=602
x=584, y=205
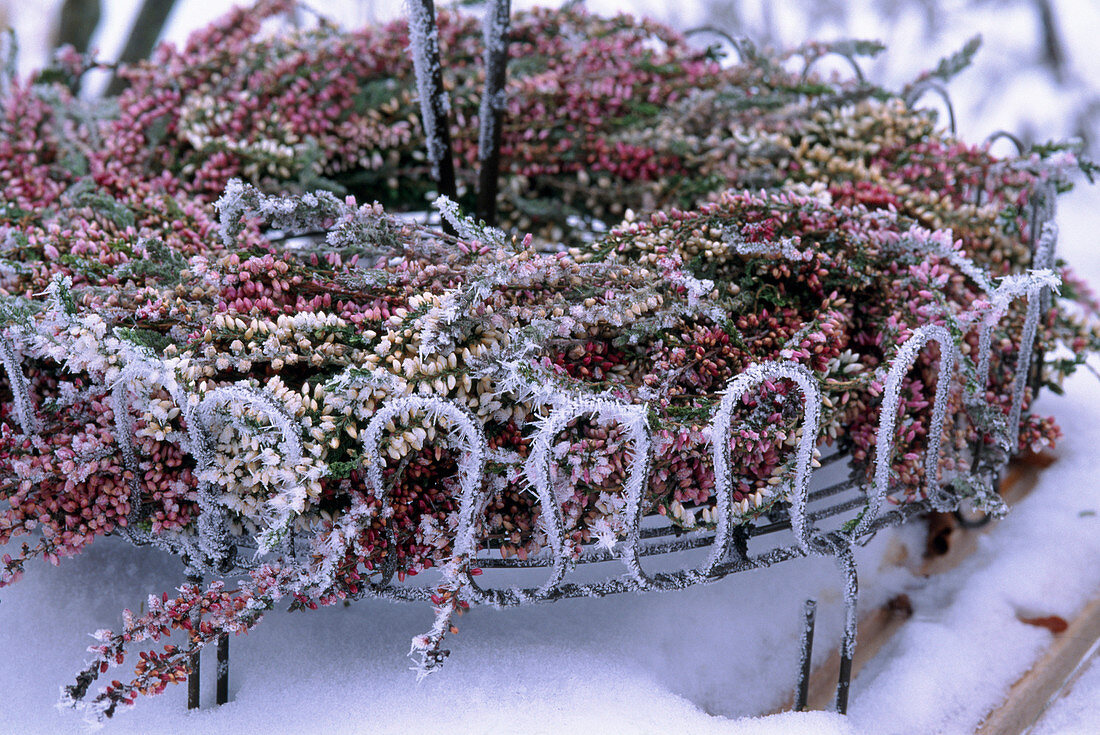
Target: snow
x=966, y=646
x=1076, y=712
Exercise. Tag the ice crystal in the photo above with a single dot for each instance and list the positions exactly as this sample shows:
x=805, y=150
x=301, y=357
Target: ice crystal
x=903, y=361
x=424, y=47
x=24, y=409
x=721, y=432
x=786, y=248
x=943, y=244
x=292, y=214
x=1010, y=288
x=244, y=403
x=494, y=34
x=465, y=226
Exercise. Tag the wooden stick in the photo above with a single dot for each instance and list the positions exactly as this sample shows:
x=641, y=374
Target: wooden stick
x=1031, y=694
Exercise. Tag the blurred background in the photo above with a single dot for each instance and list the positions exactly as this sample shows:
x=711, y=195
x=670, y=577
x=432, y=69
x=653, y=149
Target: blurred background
x=1036, y=75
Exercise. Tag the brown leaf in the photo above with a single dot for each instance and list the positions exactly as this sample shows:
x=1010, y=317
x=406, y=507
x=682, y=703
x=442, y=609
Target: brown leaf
x=940, y=528
x=901, y=604
x=1041, y=460
x=1053, y=623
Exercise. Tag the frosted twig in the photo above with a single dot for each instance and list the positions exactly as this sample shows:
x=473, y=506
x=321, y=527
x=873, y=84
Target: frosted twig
x=24, y=408
x=293, y=213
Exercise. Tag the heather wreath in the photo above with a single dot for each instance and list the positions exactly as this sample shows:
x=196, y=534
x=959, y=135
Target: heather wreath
x=216, y=345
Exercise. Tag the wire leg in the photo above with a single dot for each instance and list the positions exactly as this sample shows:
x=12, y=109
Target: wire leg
x=194, y=677
x=809, y=612
x=223, y=669
x=848, y=648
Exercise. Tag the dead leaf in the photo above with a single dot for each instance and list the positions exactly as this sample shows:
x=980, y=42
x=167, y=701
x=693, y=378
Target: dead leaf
x=940, y=528
x=1053, y=623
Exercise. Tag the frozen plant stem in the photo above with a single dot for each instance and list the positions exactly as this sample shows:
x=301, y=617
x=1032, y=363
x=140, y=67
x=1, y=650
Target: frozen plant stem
x=435, y=105
x=495, y=27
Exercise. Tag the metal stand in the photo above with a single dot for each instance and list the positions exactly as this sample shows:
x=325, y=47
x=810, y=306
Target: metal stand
x=195, y=663
x=223, y=669
x=848, y=647
x=809, y=612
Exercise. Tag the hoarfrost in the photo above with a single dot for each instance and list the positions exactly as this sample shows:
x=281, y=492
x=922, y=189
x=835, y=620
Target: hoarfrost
x=291, y=214
x=1030, y=285
x=785, y=248
x=943, y=244
x=24, y=409
x=903, y=361
x=494, y=30
x=465, y=226
x=424, y=46
x=214, y=538
x=720, y=446
x=466, y=434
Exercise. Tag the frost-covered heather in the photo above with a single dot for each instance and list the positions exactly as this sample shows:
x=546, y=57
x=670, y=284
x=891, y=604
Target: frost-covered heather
x=240, y=361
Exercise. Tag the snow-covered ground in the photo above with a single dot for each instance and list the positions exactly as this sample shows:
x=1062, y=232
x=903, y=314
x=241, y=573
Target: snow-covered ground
x=707, y=660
